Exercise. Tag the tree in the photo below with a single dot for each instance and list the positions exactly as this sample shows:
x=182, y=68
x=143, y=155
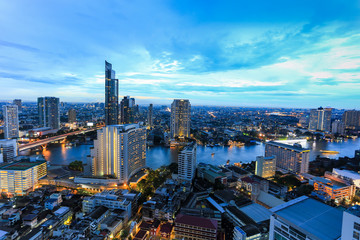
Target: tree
x=76, y=166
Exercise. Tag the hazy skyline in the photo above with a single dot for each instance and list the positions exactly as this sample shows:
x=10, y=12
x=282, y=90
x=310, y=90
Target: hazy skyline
x=236, y=53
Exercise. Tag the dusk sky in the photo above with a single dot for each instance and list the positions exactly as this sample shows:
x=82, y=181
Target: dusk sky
x=288, y=53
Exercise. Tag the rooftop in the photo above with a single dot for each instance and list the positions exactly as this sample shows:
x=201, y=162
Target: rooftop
x=196, y=221
x=314, y=217
x=354, y=210
x=256, y=212
x=21, y=165
x=295, y=147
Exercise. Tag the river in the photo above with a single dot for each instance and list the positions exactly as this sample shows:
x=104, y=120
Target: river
x=157, y=156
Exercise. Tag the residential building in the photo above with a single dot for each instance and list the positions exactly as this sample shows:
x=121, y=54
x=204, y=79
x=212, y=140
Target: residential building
x=305, y=218
x=8, y=149
x=18, y=178
x=150, y=120
x=114, y=199
x=351, y=119
x=196, y=228
x=11, y=119
x=180, y=118
x=127, y=110
x=111, y=96
x=289, y=158
x=351, y=223
x=119, y=151
x=338, y=127
x=18, y=103
x=320, y=119
x=265, y=166
x=49, y=113
x=72, y=115
x=350, y=176
x=187, y=163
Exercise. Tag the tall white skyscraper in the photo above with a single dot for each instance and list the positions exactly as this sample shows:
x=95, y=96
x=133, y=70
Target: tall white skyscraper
x=11, y=119
x=187, y=163
x=49, y=112
x=180, y=118
x=320, y=119
x=119, y=151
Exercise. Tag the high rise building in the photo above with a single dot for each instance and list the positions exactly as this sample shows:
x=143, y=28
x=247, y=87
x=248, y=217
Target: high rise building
x=127, y=110
x=290, y=158
x=320, y=119
x=338, y=127
x=351, y=223
x=49, y=112
x=265, y=166
x=119, y=151
x=187, y=163
x=111, y=96
x=180, y=118
x=305, y=218
x=351, y=119
x=8, y=149
x=11, y=119
x=72, y=115
x=150, y=115
x=17, y=102
x=20, y=177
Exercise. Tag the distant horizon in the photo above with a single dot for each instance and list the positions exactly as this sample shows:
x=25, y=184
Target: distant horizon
x=277, y=54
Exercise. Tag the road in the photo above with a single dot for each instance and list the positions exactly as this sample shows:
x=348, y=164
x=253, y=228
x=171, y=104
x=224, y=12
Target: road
x=38, y=143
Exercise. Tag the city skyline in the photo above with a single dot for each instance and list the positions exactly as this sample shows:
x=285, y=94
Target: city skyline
x=238, y=54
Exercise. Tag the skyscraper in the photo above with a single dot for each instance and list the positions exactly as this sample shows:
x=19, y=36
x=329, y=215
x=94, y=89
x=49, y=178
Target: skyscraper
x=351, y=119
x=150, y=116
x=11, y=119
x=338, y=127
x=17, y=102
x=49, y=113
x=187, y=163
x=127, y=110
x=111, y=96
x=8, y=149
x=180, y=118
x=320, y=119
x=120, y=151
x=72, y=115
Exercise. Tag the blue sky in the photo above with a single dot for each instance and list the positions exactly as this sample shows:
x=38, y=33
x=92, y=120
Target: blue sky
x=239, y=53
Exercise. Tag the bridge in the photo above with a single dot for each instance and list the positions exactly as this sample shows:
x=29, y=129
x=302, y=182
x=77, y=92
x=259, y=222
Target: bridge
x=44, y=142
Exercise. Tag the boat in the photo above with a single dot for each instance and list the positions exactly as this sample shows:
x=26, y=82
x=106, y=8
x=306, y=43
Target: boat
x=329, y=152
x=212, y=154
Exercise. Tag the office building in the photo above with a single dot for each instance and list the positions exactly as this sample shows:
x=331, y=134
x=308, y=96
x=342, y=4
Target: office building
x=8, y=149
x=265, y=166
x=289, y=158
x=127, y=110
x=196, y=228
x=305, y=218
x=180, y=118
x=150, y=116
x=111, y=96
x=20, y=177
x=119, y=151
x=351, y=119
x=18, y=103
x=11, y=119
x=351, y=223
x=72, y=116
x=320, y=119
x=187, y=163
x=338, y=127
x=332, y=187
x=49, y=112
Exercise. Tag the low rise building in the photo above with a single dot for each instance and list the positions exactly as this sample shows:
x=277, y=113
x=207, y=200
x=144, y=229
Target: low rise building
x=265, y=166
x=196, y=228
x=305, y=218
